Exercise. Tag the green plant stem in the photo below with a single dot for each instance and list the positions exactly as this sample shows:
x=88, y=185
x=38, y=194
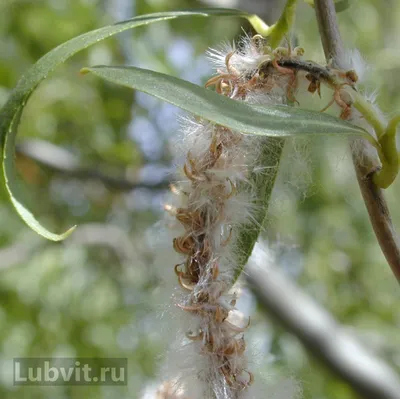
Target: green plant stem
x=385, y=177
x=285, y=22
x=369, y=113
x=277, y=31
x=373, y=196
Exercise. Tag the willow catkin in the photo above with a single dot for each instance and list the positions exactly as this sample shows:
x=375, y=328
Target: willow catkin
x=220, y=206
x=216, y=197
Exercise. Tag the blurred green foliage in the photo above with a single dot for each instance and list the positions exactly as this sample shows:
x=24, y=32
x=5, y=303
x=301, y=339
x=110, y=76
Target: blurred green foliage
x=91, y=296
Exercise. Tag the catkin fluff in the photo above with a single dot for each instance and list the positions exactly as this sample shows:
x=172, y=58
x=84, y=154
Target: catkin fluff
x=214, y=197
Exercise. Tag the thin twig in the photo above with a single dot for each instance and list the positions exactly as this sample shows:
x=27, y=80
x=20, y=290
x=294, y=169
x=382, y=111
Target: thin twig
x=89, y=234
x=318, y=331
x=373, y=196
x=104, y=235
x=64, y=162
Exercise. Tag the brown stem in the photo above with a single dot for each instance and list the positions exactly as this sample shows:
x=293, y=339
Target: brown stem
x=373, y=196
x=65, y=163
x=319, y=332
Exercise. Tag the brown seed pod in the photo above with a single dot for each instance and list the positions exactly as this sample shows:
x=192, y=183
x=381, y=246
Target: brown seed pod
x=184, y=245
x=221, y=314
x=192, y=174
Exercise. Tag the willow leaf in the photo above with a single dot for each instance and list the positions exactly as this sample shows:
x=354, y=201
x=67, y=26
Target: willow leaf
x=12, y=110
x=272, y=121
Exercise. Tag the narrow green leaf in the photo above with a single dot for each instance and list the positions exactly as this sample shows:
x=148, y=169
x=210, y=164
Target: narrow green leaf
x=285, y=22
x=263, y=184
x=11, y=112
x=274, y=121
x=10, y=181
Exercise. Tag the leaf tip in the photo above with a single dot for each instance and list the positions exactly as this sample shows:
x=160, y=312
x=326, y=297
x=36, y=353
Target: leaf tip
x=84, y=71
x=67, y=233
x=58, y=237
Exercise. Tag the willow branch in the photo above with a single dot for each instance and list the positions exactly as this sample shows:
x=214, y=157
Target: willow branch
x=90, y=234
x=373, y=196
x=326, y=339
x=64, y=162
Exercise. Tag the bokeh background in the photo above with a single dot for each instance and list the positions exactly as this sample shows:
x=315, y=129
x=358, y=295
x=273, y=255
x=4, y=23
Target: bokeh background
x=97, y=155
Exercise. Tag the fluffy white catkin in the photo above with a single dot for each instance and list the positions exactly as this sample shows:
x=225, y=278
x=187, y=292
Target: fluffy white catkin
x=208, y=358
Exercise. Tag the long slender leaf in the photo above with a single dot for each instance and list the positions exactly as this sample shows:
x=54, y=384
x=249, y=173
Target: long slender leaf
x=273, y=121
x=284, y=24
x=11, y=112
x=263, y=184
